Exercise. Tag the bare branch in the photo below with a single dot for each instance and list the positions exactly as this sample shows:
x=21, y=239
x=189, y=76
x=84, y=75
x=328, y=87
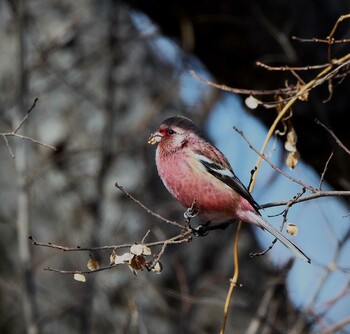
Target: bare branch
x=318, y=122
x=289, y=204
x=240, y=132
x=26, y=116
x=152, y=213
x=324, y=171
x=14, y=133
x=280, y=91
x=316, y=194
x=291, y=68
x=177, y=239
x=8, y=145
x=320, y=40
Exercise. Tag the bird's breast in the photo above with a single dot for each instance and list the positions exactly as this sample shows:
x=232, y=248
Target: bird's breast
x=187, y=180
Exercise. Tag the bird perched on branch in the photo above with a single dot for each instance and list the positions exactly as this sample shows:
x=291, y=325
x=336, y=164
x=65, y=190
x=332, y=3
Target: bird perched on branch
x=195, y=171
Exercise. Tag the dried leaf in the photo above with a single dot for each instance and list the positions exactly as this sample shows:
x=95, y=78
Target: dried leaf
x=136, y=249
x=112, y=258
x=292, y=229
x=146, y=250
x=80, y=278
x=251, y=102
x=305, y=95
x=138, y=262
x=158, y=268
x=292, y=159
x=93, y=264
x=290, y=147
x=292, y=137
x=125, y=258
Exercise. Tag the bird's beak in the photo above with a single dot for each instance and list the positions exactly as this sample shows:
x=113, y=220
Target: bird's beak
x=155, y=138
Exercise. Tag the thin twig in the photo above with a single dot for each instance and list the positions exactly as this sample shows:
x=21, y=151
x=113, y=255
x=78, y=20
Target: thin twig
x=8, y=146
x=146, y=235
x=279, y=91
x=26, y=115
x=320, y=40
x=289, y=204
x=337, y=140
x=14, y=133
x=165, y=245
x=152, y=213
x=324, y=171
x=177, y=239
x=336, y=327
x=72, y=272
x=240, y=132
x=291, y=68
x=317, y=194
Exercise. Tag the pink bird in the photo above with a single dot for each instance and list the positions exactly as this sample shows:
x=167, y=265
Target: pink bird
x=191, y=168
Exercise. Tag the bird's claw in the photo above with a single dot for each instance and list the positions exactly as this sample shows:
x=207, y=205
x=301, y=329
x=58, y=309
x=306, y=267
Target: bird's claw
x=190, y=213
x=200, y=231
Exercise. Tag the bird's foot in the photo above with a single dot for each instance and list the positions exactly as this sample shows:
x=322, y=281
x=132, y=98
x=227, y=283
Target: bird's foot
x=200, y=230
x=203, y=230
x=190, y=213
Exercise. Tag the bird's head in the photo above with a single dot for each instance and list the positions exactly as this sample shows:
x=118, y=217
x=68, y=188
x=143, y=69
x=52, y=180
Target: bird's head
x=174, y=133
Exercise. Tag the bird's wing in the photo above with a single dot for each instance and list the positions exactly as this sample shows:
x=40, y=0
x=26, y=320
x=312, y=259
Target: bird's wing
x=225, y=174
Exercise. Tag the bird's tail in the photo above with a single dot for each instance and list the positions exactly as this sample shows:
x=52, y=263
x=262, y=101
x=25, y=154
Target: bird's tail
x=258, y=220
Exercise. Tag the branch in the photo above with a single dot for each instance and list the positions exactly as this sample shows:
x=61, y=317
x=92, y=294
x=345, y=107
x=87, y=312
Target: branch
x=279, y=91
x=314, y=195
x=14, y=133
x=26, y=116
x=324, y=171
x=177, y=239
x=337, y=140
x=149, y=211
x=240, y=132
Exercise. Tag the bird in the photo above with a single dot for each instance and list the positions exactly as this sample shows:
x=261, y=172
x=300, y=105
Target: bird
x=196, y=172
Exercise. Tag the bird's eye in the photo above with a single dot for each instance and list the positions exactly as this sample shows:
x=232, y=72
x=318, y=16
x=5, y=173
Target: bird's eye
x=170, y=132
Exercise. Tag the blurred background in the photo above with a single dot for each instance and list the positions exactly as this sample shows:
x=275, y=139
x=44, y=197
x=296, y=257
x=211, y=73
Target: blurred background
x=107, y=73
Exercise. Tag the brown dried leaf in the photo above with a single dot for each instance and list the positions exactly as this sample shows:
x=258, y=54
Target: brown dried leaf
x=305, y=95
x=292, y=159
x=138, y=262
x=292, y=137
x=93, y=264
x=112, y=258
x=292, y=229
